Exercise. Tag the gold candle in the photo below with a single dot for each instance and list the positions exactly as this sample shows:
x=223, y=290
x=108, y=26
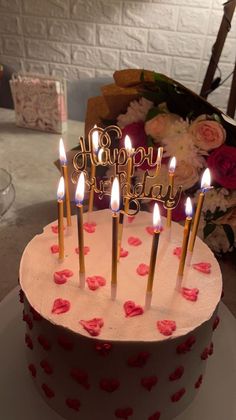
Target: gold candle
x=64, y=170
x=60, y=203
x=205, y=184
x=115, y=202
x=172, y=167
x=187, y=228
x=95, y=142
x=79, y=196
x=153, y=257
x=159, y=159
x=128, y=146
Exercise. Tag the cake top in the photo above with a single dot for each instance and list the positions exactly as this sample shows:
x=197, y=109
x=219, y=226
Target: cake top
x=52, y=287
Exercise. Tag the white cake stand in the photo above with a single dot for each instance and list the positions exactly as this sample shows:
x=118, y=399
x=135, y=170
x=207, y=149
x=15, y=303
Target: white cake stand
x=19, y=399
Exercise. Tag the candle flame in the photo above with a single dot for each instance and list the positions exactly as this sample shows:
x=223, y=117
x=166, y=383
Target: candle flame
x=79, y=193
x=159, y=154
x=128, y=145
x=61, y=189
x=62, y=152
x=188, y=207
x=206, y=179
x=156, y=217
x=95, y=139
x=115, y=195
x=172, y=165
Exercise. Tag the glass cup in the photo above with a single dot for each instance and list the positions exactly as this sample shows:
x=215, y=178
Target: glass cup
x=7, y=191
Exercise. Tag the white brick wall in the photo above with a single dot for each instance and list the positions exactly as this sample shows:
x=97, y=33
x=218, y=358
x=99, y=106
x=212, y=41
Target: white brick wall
x=88, y=38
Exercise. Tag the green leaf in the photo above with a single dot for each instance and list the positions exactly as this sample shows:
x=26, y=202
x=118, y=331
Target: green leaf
x=153, y=112
x=208, y=229
x=229, y=233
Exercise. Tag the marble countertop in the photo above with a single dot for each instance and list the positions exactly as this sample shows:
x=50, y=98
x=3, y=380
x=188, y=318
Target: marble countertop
x=29, y=157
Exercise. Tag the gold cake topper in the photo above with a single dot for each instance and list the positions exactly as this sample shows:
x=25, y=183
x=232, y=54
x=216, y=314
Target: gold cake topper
x=117, y=159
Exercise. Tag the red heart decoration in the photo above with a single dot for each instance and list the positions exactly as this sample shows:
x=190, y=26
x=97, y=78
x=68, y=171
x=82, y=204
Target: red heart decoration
x=199, y=382
x=211, y=349
x=142, y=269
x=190, y=294
x=28, y=320
x=178, y=395
x=36, y=315
x=21, y=296
x=177, y=251
x=177, y=374
x=155, y=416
x=166, y=326
x=109, y=384
x=54, y=249
x=61, y=277
x=55, y=228
x=60, y=306
x=93, y=326
x=46, y=367
x=186, y=345
x=123, y=253
x=140, y=360
x=48, y=391
x=32, y=370
x=123, y=413
x=134, y=241
x=204, y=267
x=90, y=227
x=73, y=403
x=86, y=250
x=205, y=354
x=44, y=342
x=65, y=343
x=149, y=382
x=94, y=282
x=131, y=219
x=131, y=309
x=103, y=348
x=80, y=376
x=28, y=342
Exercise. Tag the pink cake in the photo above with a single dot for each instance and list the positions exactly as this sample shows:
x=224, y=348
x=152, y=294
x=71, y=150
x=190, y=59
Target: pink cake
x=94, y=358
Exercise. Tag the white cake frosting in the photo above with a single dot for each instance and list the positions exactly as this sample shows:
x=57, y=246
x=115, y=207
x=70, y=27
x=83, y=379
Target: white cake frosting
x=129, y=338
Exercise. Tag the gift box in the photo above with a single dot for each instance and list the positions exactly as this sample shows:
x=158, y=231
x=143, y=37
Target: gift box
x=40, y=102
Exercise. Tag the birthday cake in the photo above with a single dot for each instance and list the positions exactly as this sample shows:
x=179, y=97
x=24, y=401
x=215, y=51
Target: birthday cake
x=91, y=357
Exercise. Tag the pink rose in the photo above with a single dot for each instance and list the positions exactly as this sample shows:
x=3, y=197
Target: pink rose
x=160, y=126
x=207, y=134
x=222, y=164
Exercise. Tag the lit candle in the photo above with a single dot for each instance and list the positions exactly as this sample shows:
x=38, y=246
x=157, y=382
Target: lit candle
x=187, y=227
x=172, y=167
x=152, y=265
x=205, y=185
x=79, y=197
x=159, y=159
x=95, y=144
x=60, y=202
x=115, y=203
x=128, y=146
x=64, y=170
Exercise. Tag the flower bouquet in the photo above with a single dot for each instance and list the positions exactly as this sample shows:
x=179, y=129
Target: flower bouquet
x=155, y=110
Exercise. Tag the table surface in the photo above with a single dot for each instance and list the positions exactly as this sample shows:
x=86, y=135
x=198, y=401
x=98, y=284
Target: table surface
x=29, y=157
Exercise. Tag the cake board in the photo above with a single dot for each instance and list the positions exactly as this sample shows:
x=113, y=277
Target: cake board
x=19, y=399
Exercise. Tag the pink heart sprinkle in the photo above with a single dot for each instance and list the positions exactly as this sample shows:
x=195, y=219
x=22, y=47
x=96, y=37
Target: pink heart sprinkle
x=55, y=228
x=177, y=374
x=48, y=391
x=123, y=253
x=139, y=360
x=199, y=382
x=60, y=306
x=60, y=277
x=178, y=395
x=142, y=269
x=166, y=326
x=155, y=416
x=93, y=326
x=46, y=367
x=132, y=240
x=73, y=403
x=94, y=282
x=109, y=384
x=203, y=267
x=190, y=294
x=90, y=227
x=177, y=251
x=149, y=382
x=131, y=309
x=81, y=377
x=86, y=250
x=131, y=219
x=54, y=249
